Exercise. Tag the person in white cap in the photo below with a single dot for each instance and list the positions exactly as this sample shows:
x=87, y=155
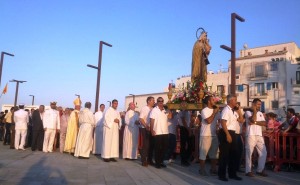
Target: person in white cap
x=21, y=119
x=51, y=123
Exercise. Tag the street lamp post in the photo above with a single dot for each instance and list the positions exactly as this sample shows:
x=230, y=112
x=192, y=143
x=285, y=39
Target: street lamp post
x=1, y=62
x=247, y=94
x=17, y=89
x=109, y=103
x=32, y=99
x=234, y=16
x=99, y=72
x=77, y=95
x=133, y=97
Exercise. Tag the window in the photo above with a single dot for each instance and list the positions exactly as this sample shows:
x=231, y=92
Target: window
x=238, y=70
x=272, y=85
x=273, y=66
x=239, y=88
x=275, y=104
x=259, y=70
x=260, y=88
x=237, y=77
x=220, y=89
x=298, y=77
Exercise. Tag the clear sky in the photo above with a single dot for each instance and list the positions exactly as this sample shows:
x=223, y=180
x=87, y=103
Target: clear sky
x=53, y=41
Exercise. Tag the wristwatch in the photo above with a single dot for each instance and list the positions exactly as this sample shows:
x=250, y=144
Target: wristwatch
x=255, y=122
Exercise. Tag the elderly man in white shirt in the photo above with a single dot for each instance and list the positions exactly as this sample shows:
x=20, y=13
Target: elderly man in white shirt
x=21, y=119
x=254, y=122
x=51, y=124
x=227, y=139
x=159, y=130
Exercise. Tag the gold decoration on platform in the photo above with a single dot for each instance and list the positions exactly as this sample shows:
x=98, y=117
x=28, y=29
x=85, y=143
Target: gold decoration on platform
x=185, y=106
x=170, y=93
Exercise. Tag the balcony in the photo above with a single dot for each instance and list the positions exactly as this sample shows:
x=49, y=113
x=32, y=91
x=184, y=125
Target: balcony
x=258, y=76
x=295, y=83
x=263, y=95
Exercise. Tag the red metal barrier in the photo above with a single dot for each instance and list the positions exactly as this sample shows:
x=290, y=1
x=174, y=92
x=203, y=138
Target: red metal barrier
x=270, y=142
x=287, y=149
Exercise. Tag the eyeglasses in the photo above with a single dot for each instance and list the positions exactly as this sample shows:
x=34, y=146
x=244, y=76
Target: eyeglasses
x=160, y=101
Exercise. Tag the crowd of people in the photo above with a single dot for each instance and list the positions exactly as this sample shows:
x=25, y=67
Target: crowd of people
x=225, y=135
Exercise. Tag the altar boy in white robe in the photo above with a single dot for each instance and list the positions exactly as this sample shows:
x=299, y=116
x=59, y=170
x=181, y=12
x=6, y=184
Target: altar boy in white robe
x=131, y=133
x=112, y=124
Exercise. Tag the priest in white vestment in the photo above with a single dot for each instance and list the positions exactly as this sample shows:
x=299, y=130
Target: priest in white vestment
x=84, y=142
x=131, y=133
x=112, y=124
x=98, y=134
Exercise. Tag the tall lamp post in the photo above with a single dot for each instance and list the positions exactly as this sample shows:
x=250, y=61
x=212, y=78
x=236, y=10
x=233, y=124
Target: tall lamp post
x=133, y=98
x=77, y=95
x=234, y=16
x=109, y=103
x=247, y=85
x=17, y=89
x=1, y=62
x=99, y=72
x=32, y=99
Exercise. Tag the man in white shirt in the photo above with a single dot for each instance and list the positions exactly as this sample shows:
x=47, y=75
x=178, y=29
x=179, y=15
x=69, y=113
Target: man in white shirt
x=98, y=135
x=51, y=123
x=208, y=142
x=112, y=125
x=254, y=139
x=227, y=139
x=21, y=119
x=145, y=131
x=159, y=130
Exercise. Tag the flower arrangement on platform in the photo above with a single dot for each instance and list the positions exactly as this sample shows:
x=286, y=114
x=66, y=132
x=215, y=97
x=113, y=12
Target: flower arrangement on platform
x=191, y=93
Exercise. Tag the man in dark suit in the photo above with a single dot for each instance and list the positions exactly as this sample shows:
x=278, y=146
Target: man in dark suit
x=37, y=129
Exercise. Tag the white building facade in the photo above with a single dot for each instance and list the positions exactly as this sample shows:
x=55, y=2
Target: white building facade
x=272, y=75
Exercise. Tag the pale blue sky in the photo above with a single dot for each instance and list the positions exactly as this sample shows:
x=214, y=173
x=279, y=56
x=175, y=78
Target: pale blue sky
x=53, y=41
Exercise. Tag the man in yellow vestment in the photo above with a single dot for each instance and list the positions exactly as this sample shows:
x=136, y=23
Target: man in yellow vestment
x=72, y=129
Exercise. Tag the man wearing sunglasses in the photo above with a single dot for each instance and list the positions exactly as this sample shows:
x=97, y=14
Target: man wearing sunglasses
x=159, y=130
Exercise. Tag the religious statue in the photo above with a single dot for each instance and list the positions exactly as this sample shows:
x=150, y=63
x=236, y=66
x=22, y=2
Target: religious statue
x=200, y=61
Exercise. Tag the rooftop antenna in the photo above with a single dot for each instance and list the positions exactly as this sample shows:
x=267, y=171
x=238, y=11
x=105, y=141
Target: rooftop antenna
x=245, y=46
x=220, y=67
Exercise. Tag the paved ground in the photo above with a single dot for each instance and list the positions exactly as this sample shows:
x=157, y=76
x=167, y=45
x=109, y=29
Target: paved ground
x=38, y=168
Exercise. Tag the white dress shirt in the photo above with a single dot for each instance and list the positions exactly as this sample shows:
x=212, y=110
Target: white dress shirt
x=51, y=119
x=21, y=119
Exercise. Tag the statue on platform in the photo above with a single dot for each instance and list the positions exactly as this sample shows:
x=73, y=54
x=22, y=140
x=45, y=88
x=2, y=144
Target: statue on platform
x=200, y=61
